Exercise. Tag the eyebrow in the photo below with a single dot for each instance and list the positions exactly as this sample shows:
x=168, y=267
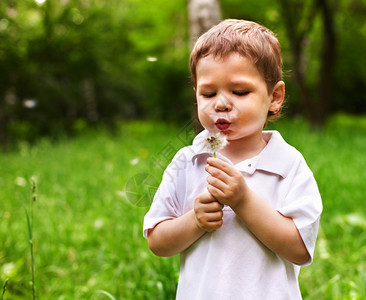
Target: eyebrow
x=242, y=82
x=205, y=85
x=239, y=82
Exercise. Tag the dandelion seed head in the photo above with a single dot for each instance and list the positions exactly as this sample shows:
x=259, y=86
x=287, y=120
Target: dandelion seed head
x=216, y=141
x=134, y=161
x=20, y=181
x=8, y=270
x=98, y=223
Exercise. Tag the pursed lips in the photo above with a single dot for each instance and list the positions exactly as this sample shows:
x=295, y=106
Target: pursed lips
x=222, y=124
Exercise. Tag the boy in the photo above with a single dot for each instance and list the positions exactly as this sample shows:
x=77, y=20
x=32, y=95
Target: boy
x=246, y=221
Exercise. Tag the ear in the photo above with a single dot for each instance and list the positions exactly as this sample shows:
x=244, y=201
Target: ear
x=278, y=96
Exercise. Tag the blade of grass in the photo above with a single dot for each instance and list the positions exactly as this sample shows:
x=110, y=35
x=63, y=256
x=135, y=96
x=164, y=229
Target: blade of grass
x=30, y=234
x=31, y=251
x=4, y=289
x=106, y=293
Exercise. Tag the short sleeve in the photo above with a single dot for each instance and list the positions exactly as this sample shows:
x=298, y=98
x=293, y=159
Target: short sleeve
x=166, y=203
x=303, y=204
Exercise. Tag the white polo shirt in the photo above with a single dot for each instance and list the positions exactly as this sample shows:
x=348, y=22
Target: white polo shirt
x=230, y=263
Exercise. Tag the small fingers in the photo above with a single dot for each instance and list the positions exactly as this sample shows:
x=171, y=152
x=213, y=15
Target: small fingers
x=209, y=216
x=221, y=165
x=213, y=206
x=214, y=216
x=205, y=198
x=217, y=173
x=210, y=212
x=216, y=193
x=217, y=183
x=214, y=225
x=210, y=226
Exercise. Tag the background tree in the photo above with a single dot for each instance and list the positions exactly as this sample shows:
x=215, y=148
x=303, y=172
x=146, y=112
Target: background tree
x=300, y=18
x=203, y=14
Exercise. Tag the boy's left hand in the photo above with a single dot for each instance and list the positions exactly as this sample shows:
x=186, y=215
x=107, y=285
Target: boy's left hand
x=225, y=183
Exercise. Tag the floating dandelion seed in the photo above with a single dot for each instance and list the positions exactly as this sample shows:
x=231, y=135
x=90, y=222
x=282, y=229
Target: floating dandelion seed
x=216, y=142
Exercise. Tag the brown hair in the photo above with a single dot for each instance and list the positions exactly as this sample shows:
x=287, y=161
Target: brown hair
x=246, y=38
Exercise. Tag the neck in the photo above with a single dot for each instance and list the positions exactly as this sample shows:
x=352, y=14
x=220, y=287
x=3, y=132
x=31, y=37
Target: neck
x=242, y=149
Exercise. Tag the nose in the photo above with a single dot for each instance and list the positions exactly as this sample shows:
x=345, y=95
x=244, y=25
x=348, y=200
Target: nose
x=223, y=104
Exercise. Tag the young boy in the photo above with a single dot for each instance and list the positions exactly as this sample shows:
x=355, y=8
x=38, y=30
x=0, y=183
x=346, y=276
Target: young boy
x=245, y=221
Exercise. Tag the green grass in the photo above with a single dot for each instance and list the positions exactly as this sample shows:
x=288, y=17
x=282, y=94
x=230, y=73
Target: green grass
x=87, y=227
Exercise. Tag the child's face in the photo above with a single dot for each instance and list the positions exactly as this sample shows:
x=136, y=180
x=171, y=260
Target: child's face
x=232, y=96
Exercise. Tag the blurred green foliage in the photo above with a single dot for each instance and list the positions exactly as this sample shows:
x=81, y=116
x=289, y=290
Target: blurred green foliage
x=67, y=64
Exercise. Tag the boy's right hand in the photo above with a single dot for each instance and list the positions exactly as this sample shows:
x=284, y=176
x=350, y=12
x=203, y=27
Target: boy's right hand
x=208, y=212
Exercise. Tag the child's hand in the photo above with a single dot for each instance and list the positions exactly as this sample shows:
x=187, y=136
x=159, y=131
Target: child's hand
x=225, y=183
x=208, y=212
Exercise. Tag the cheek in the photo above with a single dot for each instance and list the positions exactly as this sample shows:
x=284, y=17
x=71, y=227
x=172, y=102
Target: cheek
x=204, y=120
x=252, y=113
x=201, y=112
x=204, y=109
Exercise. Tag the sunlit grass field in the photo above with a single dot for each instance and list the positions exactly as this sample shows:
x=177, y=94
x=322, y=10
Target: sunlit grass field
x=93, y=191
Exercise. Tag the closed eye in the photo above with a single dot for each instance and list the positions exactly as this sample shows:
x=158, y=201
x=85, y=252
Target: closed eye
x=209, y=95
x=240, y=93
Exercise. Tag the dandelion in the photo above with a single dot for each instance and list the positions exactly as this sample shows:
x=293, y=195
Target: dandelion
x=20, y=181
x=134, y=161
x=98, y=224
x=216, y=142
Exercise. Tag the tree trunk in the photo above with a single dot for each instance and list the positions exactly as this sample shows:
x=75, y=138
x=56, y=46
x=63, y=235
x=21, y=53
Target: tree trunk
x=327, y=57
x=203, y=14
x=299, y=18
x=3, y=131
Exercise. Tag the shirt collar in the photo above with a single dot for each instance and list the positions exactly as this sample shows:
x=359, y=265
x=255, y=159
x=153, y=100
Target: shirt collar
x=275, y=158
